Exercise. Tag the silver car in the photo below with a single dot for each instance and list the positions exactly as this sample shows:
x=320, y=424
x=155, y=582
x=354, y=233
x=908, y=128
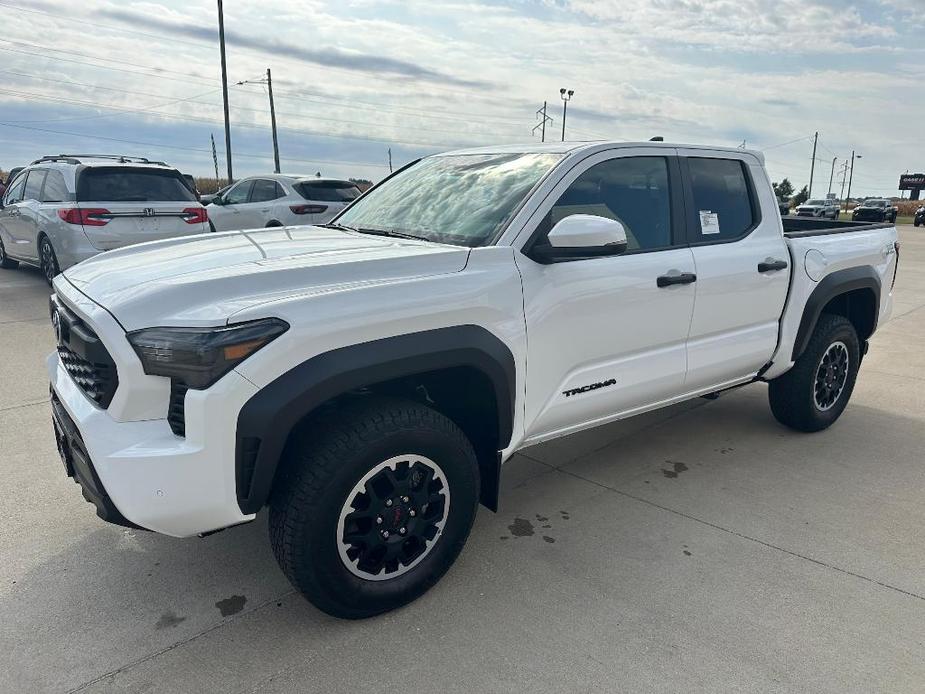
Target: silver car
x=62, y=209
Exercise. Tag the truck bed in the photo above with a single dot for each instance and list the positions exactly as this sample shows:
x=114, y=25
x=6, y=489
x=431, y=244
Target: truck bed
x=798, y=227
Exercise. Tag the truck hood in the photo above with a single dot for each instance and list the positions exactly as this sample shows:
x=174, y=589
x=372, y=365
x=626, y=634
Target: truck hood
x=204, y=280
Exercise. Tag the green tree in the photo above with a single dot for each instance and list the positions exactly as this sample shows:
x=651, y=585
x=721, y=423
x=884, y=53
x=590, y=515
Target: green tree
x=801, y=197
x=784, y=189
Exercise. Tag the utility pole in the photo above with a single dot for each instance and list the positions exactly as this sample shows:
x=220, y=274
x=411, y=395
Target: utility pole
x=390, y=160
x=221, y=43
x=269, y=82
x=812, y=168
x=214, y=156
x=832, y=173
x=273, y=121
x=850, y=178
x=844, y=178
x=541, y=126
x=566, y=96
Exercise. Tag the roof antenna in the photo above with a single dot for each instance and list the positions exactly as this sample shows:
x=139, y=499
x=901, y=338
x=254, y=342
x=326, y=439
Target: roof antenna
x=657, y=138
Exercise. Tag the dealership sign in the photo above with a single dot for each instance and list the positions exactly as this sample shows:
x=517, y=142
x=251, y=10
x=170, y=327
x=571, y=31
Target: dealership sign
x=912, y=181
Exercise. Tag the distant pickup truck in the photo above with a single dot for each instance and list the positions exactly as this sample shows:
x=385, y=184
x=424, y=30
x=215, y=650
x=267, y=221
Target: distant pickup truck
x=367, y=378
x=875, y=210
x=828, y=208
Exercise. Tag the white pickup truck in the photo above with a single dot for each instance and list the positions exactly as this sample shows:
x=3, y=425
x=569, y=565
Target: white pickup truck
x=367, y=379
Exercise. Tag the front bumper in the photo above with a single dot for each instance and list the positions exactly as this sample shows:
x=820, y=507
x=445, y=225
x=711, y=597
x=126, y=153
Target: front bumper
x=139, y=473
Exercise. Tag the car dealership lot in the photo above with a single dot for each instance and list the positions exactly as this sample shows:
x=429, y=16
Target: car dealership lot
x=699, y=548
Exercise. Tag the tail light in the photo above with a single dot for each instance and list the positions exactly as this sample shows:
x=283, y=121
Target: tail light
x=92, y=217
x=195, y=215
x=896, y=266
x=308, y=209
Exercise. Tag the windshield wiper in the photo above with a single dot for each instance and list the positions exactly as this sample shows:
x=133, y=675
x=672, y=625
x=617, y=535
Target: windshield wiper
x=335, y=225
x=391, y=233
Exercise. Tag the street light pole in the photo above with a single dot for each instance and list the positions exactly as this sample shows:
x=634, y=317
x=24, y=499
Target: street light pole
x=221, y=43
x=566, y=95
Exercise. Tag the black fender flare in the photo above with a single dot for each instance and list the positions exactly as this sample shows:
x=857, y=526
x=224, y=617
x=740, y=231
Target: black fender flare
x=831, y=286
x=267, y=418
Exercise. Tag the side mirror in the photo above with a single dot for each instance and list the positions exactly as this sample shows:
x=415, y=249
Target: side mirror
x=582, y=236
x=218, y=200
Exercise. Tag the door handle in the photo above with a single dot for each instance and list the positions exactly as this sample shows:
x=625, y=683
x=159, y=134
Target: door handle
x=772, y=265
x=683, y=278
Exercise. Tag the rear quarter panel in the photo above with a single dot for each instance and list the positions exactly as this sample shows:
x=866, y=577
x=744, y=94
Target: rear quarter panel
x=816, y=257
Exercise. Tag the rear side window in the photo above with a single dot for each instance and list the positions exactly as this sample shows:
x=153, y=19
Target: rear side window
x=328, y=191
x=722, y=199
x=55, y=187
x=122, y=184
x=264, y=190
x=34, y=184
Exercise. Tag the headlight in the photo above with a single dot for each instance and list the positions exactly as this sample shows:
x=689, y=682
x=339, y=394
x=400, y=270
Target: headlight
x=200, y=356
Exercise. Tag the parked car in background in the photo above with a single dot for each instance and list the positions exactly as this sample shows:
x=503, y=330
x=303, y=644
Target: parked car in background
x=818, y=207
x=919, y=218
x=784, y=206
x=66, y=208
x=875, y=210
x=208, y=198
x=367, y=379
x=277, y=200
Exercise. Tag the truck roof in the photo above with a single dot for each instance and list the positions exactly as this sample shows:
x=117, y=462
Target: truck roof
x=572, y=147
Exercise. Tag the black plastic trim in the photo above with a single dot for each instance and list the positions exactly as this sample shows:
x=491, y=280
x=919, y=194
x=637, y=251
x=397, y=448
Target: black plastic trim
x=841, y=282
x=265, y=421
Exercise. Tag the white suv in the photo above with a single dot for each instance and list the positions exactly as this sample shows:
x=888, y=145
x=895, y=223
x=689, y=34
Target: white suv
x=277, y=200
x=63, y=209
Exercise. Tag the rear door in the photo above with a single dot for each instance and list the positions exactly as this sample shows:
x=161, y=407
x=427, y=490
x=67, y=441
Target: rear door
x=260, y=208
x=742, y=265
x=29, y=222
x=126, y=205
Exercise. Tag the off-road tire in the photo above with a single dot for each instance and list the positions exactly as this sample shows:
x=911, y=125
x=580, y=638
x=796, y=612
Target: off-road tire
x=48, y=260
x=6, y=262
x=792, y=395
x=323, y=463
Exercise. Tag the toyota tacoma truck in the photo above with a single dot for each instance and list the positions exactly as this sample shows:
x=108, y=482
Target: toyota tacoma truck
x=365, y=380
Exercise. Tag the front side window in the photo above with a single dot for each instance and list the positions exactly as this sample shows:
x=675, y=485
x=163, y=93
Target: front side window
x=14, y=194
x=462, y=199
x=124, y=184
x=34, y=184
x=239, y=193
x=631, y=190
x=722, y=201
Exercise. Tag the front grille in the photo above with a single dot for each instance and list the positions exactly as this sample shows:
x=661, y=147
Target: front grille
x=96, y=379
x=176, y=410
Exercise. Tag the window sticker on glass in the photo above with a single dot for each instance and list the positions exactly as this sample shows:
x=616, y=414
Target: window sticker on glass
x=709, y=222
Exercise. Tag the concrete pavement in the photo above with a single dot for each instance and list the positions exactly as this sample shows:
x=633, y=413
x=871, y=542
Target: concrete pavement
x=702, y=548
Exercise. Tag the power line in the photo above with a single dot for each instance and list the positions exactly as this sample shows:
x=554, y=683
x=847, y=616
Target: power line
x=185, y=149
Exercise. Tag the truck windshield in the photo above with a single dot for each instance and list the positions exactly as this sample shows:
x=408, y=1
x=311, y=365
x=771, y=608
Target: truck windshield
x=816, y=202
x=458, y=199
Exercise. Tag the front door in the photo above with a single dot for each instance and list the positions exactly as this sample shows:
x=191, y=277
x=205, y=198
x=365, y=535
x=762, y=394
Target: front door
x=605, y=336
x=232, y=213
x=743, y=268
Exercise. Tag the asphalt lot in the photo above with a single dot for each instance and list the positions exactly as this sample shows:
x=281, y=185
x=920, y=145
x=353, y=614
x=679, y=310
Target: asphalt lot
x=703, y=548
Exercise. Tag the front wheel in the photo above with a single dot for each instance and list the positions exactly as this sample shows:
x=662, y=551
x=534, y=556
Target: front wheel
x=814, y=393
x=8, y=263
x=48, y=259
x=373, y=505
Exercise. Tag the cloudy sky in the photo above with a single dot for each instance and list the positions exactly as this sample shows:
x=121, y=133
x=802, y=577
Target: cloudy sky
x=354, y=78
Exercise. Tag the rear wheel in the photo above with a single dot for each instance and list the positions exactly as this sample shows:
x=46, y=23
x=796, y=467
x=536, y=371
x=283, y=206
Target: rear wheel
x=814, y=393
x=48, y=260
x=373, y=506
x=6, y=262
